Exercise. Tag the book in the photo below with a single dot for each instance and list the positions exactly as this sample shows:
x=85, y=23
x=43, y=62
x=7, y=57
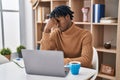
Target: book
x=98, y=12
x=19, y=62
x=43, y=12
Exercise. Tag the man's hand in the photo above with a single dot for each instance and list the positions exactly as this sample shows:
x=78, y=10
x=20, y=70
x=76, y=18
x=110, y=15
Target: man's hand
x=51, y=23
x=66, y=61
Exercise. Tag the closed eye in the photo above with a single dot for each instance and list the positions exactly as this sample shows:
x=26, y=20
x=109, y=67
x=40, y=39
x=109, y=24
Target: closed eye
x=57, y=20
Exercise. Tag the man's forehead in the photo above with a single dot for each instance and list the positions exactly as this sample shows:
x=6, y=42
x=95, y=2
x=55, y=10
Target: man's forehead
x=58, y=18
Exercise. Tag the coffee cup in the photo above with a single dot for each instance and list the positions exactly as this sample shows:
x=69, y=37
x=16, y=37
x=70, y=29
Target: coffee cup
x=74, y=67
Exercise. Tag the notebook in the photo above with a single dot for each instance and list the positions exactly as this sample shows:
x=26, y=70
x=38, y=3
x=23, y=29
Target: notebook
x=19, y=62
x=49, y=63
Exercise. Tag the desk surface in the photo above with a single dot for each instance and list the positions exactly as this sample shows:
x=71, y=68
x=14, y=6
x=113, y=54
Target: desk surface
x=11, y=71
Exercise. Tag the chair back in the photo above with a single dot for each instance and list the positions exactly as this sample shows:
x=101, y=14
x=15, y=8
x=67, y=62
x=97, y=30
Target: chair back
x=95, y=63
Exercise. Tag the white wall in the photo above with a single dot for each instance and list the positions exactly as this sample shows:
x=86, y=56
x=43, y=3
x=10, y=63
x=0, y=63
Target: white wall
x=29, y=30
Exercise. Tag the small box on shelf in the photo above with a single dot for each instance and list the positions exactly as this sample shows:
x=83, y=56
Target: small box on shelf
x=106, y=69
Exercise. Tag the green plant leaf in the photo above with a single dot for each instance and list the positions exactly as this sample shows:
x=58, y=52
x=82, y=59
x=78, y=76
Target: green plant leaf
x=5, y=51
x=19, y=48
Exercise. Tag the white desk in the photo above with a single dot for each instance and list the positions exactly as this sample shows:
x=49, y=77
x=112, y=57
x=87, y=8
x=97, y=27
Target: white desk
x=11, y=71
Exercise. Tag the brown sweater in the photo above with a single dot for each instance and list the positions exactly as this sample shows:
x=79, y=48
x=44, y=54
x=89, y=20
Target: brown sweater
x=76, y=44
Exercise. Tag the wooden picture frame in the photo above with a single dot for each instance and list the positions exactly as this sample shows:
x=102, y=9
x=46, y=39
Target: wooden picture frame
x=106, y=69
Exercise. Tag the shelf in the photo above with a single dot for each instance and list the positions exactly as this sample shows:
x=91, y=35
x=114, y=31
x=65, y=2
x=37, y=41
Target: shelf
x=112, y=24
x=102, y=49
x=106, y=76
x=59, y=0
x=45, y=0
x=84, y=23
x=38, y=22
x=52, y=0
x=41, y=22
x=38, y=42
x=101, y=31
x=88, y=23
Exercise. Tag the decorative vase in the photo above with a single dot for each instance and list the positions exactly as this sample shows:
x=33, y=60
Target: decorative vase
x=85, y=13
x=20, y=55
x=107, y=45
x=98, y=12
x=8, y=56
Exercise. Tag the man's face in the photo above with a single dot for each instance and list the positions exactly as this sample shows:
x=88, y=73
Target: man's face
x=63, y=22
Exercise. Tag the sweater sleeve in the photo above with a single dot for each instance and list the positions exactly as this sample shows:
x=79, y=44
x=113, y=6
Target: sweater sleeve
x=48, y=41
x=86, y=52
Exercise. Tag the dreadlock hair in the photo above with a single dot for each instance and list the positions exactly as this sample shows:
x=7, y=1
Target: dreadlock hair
x=60, y=11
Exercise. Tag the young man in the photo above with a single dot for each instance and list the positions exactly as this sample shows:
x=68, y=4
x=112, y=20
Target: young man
x=61, y=34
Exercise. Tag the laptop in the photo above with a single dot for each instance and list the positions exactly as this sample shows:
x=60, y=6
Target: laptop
x=41, y=62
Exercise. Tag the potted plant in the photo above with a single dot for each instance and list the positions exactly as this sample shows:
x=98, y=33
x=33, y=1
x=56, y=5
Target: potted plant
x=19, y=48
x=6, y=52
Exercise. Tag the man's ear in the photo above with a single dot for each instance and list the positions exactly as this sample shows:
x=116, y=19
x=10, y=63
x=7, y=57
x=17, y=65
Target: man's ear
x=67, y=17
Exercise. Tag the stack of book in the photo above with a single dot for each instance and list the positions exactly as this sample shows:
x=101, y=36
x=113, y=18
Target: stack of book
x=108, y=20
